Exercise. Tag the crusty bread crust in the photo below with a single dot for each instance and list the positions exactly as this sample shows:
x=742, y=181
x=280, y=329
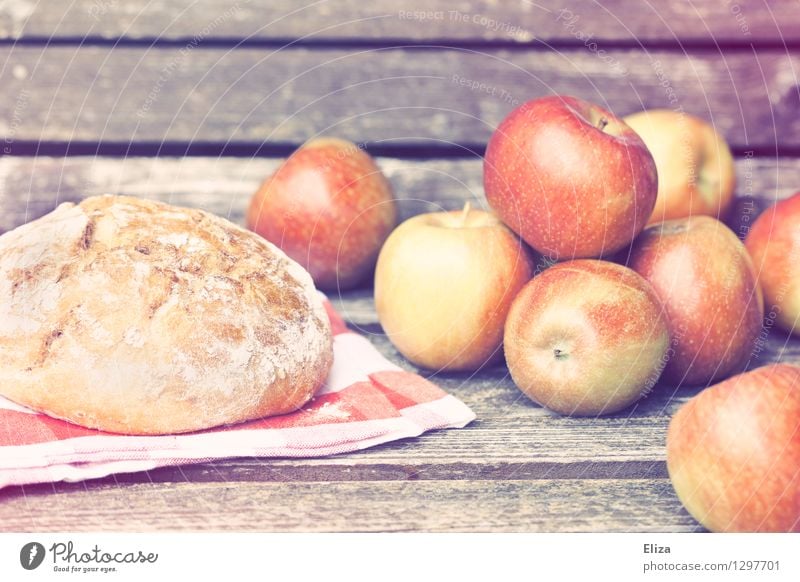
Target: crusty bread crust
x=132, y=316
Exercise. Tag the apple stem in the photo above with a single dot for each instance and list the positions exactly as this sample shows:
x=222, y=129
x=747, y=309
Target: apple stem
x=601, y=125
x=465, y=212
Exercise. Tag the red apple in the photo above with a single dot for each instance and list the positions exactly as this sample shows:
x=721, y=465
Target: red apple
x=443, y=286
x=705, y=279
x=774, y=246
x=329, y=208
x=696, y=174
x=572, y=179
x=733, y=452
x=586, y=338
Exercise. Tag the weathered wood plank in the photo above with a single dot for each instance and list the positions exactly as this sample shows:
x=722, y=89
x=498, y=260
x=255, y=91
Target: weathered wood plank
x=33, y=186
x=541, y=505
x=404, y=469
x=30, y=187
x=519, y=21
x=512, y=439
x=433, y=98
x=596, y=474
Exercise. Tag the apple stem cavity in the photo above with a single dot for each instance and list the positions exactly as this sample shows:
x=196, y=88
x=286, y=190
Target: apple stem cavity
x=560, y=354
x=602, y=123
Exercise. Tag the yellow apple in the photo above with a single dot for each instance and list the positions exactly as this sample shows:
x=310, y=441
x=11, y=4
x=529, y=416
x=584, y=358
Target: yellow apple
x=696, y=174
x=443, y=286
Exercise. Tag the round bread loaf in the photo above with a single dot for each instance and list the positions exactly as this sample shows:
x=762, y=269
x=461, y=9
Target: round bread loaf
x=138, y=317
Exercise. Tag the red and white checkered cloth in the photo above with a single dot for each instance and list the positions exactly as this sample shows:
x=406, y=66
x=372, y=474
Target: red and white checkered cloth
x=366, y=401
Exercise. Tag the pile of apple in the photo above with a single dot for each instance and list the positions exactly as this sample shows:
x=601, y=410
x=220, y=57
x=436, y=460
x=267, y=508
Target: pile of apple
x=601, y=270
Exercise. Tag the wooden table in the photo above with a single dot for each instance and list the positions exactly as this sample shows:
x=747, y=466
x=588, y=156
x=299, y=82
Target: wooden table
x=194, y=102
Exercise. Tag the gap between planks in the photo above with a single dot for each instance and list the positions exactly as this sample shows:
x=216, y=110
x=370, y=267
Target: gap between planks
x=515, y=22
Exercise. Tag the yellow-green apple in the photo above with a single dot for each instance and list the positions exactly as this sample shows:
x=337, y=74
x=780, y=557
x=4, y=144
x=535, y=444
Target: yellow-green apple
x=571, y=178
x=774, y=245
x=696, y=174
x=733, y=452
x=586, y=337
x=705, y=279
x=329, y=208
x=443, y=286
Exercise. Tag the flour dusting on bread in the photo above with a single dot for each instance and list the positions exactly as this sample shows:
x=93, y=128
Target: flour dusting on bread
x=135, y=316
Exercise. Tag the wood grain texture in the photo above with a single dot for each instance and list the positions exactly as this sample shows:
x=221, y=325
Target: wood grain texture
x=512, y=438
x=517, y=21
x=33, y=186
x=469, y=506
x=393, y=97
x=514, y=453
x=213, y=73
